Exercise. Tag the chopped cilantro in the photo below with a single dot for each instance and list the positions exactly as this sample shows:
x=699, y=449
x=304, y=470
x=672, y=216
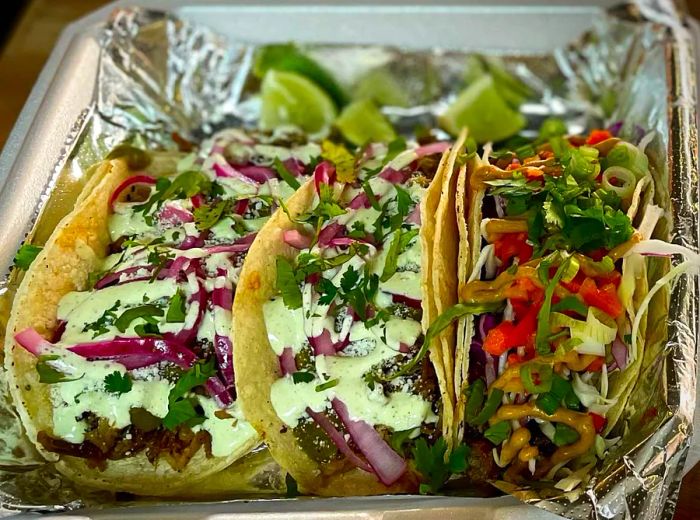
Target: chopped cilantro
x=370, y=195
x=207, y=215
x=48, y=373
x=118, y=383
x=144, y=312
x=399, y=438
x=26, y=255
x=176, y=309
x=392, y=257
x=102, y=324
x=302, y=377
x=326, y=290
x=328, y=384
x=285, y=174
x=287, y=284
x=181, y=408
x=431, y=464
x=394, y=148
x=147, y=330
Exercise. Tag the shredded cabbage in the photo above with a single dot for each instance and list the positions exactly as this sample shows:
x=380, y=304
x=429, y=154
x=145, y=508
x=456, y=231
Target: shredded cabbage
x=591, y=335
x=484, y=257
x=590, y=397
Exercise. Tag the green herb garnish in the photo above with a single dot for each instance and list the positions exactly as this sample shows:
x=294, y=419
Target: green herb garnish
x=26, y=255
x=118, y=383
x=431, y=464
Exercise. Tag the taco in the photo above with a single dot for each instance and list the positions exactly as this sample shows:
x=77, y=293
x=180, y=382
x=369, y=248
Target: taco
x=330, y=321
x=552, y=288
x=118, y=350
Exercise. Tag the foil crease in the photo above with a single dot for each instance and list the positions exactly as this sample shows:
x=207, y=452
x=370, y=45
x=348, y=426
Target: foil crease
x=160, y=74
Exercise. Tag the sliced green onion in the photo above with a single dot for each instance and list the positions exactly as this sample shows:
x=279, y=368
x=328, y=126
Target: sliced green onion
x=571, y=303
x=593, y=334
x=625, y=182
x=498, y=433
x=475, y=399
x=328, y=384
x=628, y=156
x=490, y=408
x=536, y=377
x=564, y=435
x=548, y=403
x=441, y=323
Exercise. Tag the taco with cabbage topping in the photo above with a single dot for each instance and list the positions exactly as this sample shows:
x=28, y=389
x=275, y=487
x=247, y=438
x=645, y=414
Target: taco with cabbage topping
x=119, y=352
x=330, y=319
x=553, y=234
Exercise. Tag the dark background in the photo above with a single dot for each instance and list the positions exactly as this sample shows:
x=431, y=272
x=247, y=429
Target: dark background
x=28, y=31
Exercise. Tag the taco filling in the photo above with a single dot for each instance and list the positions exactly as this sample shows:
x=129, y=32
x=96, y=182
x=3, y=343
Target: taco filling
x=141, y=361
x=553, y=225
x=348, y=311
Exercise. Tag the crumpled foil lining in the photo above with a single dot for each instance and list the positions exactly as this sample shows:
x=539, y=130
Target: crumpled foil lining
x=160, y=74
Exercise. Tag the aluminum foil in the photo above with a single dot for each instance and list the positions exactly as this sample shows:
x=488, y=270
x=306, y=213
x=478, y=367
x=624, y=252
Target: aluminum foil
x=160, y=75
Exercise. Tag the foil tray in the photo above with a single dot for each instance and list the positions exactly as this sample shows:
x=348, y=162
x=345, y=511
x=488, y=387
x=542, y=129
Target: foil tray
x=60, y=109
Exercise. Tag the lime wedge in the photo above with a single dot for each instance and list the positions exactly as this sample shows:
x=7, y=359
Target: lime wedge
x=287, y=57
x=382, y=87
x=291, y=99
x=481, y=108
x=361, y=122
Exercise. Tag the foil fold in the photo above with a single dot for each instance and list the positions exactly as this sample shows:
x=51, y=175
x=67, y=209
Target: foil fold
x=161, y=75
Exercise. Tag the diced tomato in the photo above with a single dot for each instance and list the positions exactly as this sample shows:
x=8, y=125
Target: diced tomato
x=613, y=277
x=605, y=298
x=514, y=165
x=599, y=421
x=521, y=290
x=508, y=335
x=598, y=254
x=500, y=339
x=533, y=173
x=510, y=245
x=574, y=285
x=546, y=154
x=598, y=136
x=596, y=366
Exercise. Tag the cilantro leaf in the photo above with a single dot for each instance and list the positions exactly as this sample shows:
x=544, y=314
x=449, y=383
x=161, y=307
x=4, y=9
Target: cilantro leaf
x=349, y=279
x=26, y=255
x=327, y=206
x=181, y=410
x=399, y=438
x=302, y=377
x=327, y=291
x=430, y=463
x=287, y=284
x=144, y=312
x=207, y=215
x=48, y=373
x=118, y=383
x=176, y=309
x=392, y=257
x=394, y=148
x=371, y=196
x=147, y=330
x=285, y=174
x=102, y=324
